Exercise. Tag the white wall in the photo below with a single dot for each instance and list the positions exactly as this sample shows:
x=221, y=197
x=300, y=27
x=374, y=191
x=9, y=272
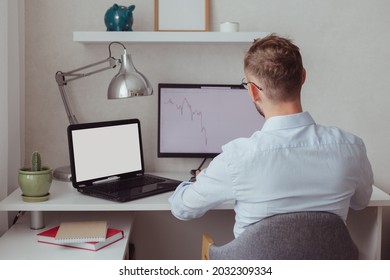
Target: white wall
x=16, y=89
x=3, y=109
x=11, y=97
x=344, y=46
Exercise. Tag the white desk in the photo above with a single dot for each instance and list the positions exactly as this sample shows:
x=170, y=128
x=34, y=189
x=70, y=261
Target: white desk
x=63, y=197
x=365, y=225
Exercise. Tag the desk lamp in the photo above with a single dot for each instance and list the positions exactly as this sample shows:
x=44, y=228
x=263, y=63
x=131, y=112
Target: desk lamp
x=128, y=82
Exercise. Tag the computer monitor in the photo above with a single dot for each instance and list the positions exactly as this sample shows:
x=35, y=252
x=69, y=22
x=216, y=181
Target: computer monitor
x=196, y=120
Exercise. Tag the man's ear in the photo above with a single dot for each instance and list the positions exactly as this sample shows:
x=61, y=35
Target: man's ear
x=303, y=76
x=254, y=92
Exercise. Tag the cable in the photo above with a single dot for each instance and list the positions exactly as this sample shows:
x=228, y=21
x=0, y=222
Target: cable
x=109, y=47
x=193, y=171
x=20, y=213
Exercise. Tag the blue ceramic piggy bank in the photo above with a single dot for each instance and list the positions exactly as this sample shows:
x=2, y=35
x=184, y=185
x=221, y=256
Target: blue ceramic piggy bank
x=119, y=18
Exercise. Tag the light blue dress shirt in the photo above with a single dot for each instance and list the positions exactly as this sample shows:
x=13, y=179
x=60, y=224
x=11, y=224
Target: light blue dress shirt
x=291, y=164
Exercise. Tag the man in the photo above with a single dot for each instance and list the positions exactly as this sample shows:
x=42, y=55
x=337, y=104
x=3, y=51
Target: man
x=291, y=164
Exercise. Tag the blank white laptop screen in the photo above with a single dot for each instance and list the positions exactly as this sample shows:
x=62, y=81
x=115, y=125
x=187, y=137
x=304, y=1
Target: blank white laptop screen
x=106, y=151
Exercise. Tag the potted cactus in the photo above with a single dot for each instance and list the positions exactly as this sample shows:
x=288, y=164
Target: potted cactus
x=35, y=181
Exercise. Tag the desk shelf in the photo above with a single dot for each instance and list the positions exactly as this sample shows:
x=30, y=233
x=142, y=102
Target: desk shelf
x=166, y=37
x=20, y=242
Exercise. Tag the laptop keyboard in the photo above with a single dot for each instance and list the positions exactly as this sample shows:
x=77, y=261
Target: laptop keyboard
x=118, y=186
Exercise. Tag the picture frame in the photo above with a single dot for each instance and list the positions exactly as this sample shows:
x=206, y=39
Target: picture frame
x=181, y=15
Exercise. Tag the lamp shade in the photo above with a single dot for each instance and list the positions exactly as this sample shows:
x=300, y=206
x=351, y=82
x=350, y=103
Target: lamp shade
x=128, y=82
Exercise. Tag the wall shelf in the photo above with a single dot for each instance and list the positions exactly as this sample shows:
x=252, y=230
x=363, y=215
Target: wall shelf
x=166, y=37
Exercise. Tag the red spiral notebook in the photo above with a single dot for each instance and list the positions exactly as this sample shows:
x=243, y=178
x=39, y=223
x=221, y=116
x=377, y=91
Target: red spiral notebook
x=48, y=237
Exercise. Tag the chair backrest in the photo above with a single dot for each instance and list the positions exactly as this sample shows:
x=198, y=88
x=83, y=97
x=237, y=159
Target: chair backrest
x=291, y=236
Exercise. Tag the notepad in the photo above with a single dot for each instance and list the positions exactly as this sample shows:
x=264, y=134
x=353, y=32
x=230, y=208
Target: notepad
x=86, y=231
x=113, y=235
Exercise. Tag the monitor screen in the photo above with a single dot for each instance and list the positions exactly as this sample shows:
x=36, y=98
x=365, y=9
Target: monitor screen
x=197, y=120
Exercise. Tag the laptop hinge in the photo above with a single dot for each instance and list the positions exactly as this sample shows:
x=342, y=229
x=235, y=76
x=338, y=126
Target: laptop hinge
x=107, y=180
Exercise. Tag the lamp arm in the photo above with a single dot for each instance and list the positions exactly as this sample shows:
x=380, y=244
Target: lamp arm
x=71, y=117
x=61, y=78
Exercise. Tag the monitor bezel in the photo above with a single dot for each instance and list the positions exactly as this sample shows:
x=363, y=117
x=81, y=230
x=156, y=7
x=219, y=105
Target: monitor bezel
x=183, y=85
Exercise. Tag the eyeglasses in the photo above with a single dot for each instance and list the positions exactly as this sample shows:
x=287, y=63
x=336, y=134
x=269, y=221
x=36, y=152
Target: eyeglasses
x=245, y=84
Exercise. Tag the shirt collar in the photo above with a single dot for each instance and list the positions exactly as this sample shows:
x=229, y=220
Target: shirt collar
x=288, y=121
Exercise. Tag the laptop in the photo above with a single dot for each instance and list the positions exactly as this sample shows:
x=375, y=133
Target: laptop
x=106, y=161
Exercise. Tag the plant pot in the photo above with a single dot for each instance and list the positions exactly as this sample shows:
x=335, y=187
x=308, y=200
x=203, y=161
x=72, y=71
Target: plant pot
x=35, y=185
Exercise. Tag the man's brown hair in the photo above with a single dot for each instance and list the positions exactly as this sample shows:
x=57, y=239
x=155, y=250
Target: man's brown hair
x=277, y=63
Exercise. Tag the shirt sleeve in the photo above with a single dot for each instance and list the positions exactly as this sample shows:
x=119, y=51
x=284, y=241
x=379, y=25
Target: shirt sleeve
x=213, y=186
x=363, y=191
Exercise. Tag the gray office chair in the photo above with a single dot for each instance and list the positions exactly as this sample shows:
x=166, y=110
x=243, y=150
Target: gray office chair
x=291, y=236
